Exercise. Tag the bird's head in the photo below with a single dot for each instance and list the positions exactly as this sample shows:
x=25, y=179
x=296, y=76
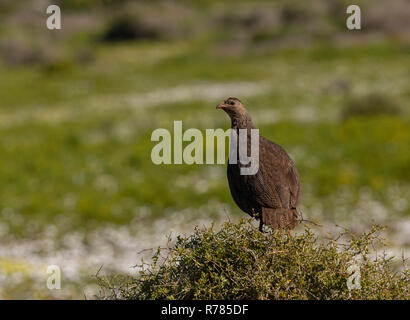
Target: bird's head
x=233, y=107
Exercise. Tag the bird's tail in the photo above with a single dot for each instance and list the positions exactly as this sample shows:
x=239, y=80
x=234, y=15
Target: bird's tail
x=280, y=218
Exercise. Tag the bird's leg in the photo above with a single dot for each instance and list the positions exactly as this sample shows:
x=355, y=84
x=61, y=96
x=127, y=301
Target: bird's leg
x=261, y=221
x=289, y=234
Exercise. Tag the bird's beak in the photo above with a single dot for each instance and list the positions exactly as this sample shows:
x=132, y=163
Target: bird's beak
x=220, y=106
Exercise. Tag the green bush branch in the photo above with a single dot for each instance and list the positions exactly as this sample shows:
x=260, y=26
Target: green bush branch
x=238, y=262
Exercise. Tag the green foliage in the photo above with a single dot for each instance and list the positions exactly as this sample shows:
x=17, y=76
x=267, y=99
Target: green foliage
x=239, y=262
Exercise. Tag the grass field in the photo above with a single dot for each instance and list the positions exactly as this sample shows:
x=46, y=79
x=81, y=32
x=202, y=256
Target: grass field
x=79, y=189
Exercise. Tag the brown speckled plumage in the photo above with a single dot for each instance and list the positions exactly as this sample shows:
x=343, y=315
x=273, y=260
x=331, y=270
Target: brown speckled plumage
x=273, y=193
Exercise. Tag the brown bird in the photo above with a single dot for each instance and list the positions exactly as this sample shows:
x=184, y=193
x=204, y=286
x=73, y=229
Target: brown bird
x=273, y=193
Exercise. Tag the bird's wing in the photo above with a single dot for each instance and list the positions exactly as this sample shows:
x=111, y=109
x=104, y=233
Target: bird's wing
x=294, y=185
x=276, y=185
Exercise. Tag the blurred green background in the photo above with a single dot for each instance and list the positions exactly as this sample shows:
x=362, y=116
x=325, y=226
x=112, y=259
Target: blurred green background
x=78, y=106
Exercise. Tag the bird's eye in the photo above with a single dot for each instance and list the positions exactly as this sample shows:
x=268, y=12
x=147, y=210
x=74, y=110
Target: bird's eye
x=232, y=103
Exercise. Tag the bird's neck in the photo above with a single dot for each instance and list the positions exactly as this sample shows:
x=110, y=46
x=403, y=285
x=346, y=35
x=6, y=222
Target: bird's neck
x=242, y=122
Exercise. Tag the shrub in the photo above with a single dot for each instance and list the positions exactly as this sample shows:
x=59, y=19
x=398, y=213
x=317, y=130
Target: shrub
x=128, y=27
x=238, y=262
x=19, y=51
x=370, y=105
x=145, y=20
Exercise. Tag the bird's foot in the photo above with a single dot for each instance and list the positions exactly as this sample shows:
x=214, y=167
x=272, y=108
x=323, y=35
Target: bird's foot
x=261, y=230
x=261, y=227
